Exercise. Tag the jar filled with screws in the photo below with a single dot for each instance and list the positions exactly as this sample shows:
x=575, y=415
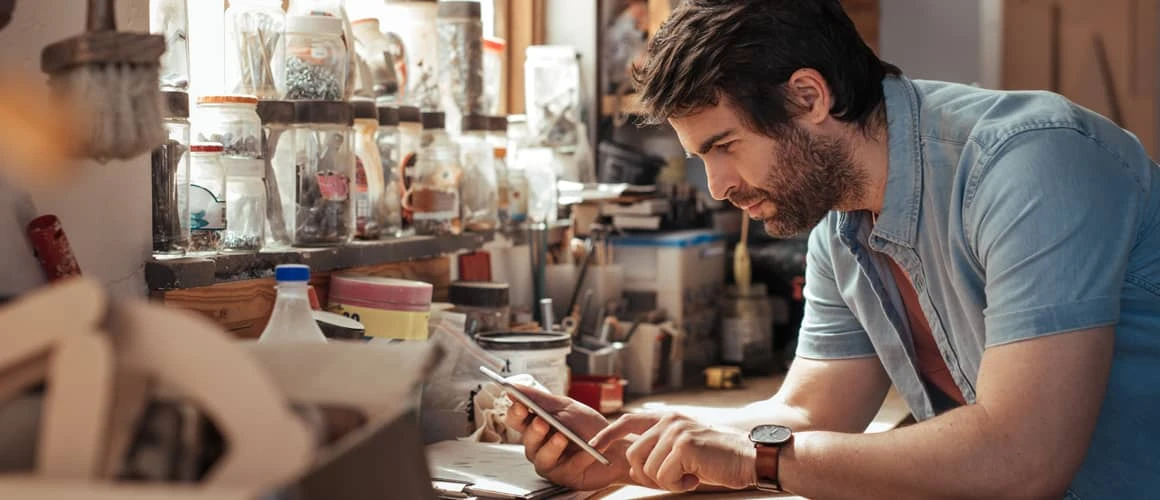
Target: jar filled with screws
x=387, y=141
x=254, y=48
x=324, y=168
x=434, y=195
x=207, y=197
x=460, y=49
x=233, y=122
x=368, y=174
x=478, y=192
x=170, y=180
x=316, y=58
x=410, y=141
x=278, y=163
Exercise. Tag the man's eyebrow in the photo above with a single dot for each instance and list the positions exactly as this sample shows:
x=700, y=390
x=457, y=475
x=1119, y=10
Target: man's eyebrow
x=708, y=143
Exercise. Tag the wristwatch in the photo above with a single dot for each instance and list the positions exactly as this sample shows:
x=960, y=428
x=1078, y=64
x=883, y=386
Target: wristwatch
x=768, y=439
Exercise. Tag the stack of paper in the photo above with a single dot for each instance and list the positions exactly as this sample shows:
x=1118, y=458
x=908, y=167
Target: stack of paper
x=465, y=469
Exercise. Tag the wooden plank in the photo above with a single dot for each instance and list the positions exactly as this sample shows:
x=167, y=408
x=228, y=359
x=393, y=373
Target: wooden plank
x=243, y=307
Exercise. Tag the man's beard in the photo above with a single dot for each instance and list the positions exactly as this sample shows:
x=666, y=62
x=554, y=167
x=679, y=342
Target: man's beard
x=809, y=177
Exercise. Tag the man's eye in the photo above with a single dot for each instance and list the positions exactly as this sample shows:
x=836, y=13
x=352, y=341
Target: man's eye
x=724, y=147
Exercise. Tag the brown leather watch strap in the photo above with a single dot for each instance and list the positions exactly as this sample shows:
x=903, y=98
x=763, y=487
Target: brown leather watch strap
x=766, y=464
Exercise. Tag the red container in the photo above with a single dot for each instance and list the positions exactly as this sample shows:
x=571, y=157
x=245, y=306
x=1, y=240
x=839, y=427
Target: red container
x=602, y=393
x=52, y=248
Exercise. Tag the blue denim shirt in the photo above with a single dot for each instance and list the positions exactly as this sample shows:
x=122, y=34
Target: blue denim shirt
x=1016, y=215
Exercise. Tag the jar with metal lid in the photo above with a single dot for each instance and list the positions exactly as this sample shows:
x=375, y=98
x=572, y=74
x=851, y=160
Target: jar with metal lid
x=245, y=204
x=317, y=60
x=254, y=47
x=207, y=197
x=278, y=151
x=388, y=144
x=324, y=169
x=410, y=141
x=233, y=122
x=485, y=303
x=460, y=49
x=369, y=181
x=434, y=195
x=170, y=179
x=478, y=193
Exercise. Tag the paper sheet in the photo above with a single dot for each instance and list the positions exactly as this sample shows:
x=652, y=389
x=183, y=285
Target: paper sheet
x=491, y=469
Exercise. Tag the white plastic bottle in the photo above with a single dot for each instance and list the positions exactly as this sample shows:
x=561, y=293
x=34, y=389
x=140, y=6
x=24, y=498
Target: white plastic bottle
x=292, y=320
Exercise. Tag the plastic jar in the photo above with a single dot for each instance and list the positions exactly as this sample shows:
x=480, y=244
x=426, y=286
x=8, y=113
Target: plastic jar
x=207, y=197
x=379, y=52
x=170, y=179
x=485, y=303
x=434, y=195
x=369, y=182
x=541, y=355
x=387, y=141
x=316, y=58
x=278, y=152
x=245, y=204
x=233, y=122
x=493, y=55
x=170, y=19
x=412, y=20
x=323, y=206
x=478, y=191
x=552, y=98
x=460, y=49
x=388, y=307
x=254, y=46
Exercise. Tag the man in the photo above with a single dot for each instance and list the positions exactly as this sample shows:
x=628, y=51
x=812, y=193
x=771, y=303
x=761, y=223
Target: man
x=995, y=256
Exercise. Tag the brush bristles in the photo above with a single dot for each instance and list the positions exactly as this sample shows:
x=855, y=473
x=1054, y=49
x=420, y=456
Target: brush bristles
x=121, y=105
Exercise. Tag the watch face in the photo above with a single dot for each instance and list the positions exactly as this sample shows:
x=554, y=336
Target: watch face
x=770, y=435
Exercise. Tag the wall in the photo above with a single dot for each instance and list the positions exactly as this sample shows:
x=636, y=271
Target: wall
x=934, y=39
x=106, y=208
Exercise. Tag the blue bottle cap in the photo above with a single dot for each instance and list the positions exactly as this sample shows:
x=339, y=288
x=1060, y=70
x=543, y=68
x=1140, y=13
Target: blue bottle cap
x=292, y=272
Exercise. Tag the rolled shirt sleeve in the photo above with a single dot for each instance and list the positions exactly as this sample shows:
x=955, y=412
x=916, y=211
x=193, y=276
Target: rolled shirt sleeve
x=829, y=329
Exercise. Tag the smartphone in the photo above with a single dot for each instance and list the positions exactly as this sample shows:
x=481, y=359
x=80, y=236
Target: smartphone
x=514, y=392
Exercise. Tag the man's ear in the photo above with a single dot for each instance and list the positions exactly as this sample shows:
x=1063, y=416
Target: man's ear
x=809, y=94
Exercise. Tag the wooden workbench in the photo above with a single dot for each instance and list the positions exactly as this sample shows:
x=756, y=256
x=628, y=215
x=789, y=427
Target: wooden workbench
x=705, y=404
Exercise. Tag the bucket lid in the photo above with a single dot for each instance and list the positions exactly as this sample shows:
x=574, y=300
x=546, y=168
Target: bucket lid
x=523, y=341
x=380, y=290
x=479, y=294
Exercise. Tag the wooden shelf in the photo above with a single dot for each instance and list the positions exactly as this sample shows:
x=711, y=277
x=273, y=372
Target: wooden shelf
x=193, y=272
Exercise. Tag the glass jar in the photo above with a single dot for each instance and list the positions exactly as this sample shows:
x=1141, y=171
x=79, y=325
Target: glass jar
x=493, y=56
x=380, y=55
x=410, y=141
x=245, y=204
x=254, y=48
x=412, y=21
x=502, y=187
x=231, y=121
x=552, y=96
x=278, y=152
x=368, y=173
x=207, y=197
x=324, y=170
x=517, y=188
x=170, y=19
x=538, y=166
x=388, y=144
x=170, y=179
x=434, y=194
x=478, y=193
x=316, y=58
x=460, y=49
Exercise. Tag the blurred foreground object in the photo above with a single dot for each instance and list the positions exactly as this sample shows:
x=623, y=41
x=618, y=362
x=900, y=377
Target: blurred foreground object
x=40, y=135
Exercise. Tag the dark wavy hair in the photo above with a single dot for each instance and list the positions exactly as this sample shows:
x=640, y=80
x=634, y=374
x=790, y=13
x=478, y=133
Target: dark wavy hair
x=747, y=50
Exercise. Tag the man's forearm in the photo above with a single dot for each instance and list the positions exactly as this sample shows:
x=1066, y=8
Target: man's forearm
x=769, y=411
x=961, y=454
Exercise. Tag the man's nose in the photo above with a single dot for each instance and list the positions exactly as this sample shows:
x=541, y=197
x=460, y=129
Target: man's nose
x=723, y=179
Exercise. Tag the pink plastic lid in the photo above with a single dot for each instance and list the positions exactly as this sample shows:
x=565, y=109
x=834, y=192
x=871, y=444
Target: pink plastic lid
x=381, y=293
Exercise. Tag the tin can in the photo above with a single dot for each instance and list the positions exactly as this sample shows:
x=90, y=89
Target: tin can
x=52, y=248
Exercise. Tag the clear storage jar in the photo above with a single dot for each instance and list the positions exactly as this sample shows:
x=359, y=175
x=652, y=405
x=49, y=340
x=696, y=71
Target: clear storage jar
x=323, y=206
x=207, y=198
x=233, y=122
x=170, y=179
x=170, y=19
x=552, y=96
x=410, y=141
x=412, y=20
x=245, y=204
x=460, y=48
x=369, y=180
x=478, y=191
x=388, y=144
x=493, y=55
x=254, y=46
x=434, y=194
x=278, y=162
x=317, y=60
